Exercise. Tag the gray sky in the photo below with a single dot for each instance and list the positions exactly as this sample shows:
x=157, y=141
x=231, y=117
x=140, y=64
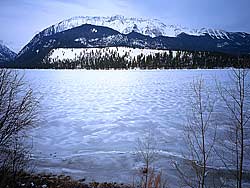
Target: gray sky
x=22, y=19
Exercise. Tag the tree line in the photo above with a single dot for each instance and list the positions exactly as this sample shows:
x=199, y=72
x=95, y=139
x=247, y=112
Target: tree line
x=160, y=60
x=166, y=60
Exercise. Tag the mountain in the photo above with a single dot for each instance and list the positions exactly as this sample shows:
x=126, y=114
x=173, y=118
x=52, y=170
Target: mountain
x=6, y=55
x=150, y=27
x=89, y=32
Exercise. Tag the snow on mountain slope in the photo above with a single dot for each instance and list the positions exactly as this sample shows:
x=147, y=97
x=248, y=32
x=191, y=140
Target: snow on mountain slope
x=116, y=31
x=6, y=54
x=71, y=54
x=150, y=27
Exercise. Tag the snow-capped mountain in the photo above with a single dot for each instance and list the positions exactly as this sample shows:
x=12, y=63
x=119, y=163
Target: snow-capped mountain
x=150, y=27
x=6, y=54
x=118, y=31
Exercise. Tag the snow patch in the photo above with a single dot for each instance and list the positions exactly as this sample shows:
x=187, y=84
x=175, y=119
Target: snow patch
x=81, y=40
x=94, y=30
x=220, y=45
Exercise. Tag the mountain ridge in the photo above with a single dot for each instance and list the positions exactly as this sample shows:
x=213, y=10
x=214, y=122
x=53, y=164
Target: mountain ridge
x=66, y=35
x=6, y=55
x=125, y=25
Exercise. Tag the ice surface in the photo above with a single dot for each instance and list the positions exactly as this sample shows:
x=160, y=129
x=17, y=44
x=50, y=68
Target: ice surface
x=90, y=120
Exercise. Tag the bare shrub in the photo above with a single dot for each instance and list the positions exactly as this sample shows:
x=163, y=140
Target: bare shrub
x=17, y=114
x=200, y=136
x=236, y=98
x=147, y=153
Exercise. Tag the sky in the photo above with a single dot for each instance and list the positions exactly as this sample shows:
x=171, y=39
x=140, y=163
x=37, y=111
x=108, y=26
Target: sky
x=21, y=19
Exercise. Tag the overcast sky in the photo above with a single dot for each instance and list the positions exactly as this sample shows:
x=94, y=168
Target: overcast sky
x=21, y=19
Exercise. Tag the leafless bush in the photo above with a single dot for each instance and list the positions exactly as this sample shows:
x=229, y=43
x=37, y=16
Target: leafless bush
x=17, y=114
x=147, y=153
x=236, y=98
x=200, y=136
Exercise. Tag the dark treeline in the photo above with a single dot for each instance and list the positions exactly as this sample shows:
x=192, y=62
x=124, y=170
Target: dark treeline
x=162, y=60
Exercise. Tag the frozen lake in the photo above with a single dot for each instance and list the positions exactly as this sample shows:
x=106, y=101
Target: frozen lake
x=90, y=120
